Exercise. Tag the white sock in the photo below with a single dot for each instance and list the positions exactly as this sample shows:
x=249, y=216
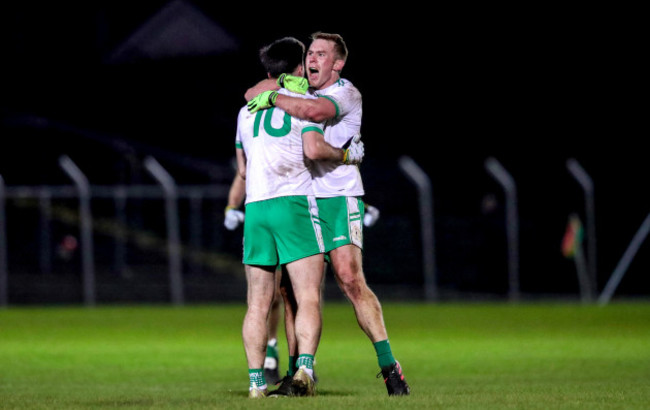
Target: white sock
x=270, y=363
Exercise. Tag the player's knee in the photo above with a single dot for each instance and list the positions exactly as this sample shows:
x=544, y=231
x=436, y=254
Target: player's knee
x=354, y=286
x=309, y=300
x=258, y=308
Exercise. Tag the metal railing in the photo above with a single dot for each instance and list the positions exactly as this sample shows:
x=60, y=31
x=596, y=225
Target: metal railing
x=83, y=191
x=168, y=193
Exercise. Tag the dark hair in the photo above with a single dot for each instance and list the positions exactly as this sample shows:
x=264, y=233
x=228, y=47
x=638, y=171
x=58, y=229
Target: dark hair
x=339, y=45
x=282, y=56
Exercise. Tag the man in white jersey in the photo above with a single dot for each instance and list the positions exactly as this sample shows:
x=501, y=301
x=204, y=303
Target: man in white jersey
x=339, y=187
x=233, y=218
x=281, y=226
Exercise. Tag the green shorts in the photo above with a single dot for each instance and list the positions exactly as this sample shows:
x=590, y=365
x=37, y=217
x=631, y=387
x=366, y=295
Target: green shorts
x=281, y=230
x=342, y=221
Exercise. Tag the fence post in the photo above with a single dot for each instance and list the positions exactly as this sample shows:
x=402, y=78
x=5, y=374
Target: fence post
x=4, y=274
x=196, y=223
x=173, y=231
x=625, y=261
x=87, y=252
x=423, y=185
x=45, y=254
x=119, y=198
x=587, y=185
x=502, y=176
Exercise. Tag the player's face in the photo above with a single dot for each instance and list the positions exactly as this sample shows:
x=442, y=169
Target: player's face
x=322, y=64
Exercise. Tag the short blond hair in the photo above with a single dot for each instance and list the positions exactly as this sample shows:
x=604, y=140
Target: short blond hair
x=340, y=48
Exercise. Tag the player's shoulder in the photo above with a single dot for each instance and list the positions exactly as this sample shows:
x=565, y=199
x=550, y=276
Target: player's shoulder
x=344, y=83
x=243, y=112
x=342, y=87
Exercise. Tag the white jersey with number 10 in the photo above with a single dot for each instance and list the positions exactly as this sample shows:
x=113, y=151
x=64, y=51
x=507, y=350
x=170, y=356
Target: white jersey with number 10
x=272, y=142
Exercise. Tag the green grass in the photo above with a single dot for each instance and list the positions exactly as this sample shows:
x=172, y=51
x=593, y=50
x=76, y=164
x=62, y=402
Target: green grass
x=455, y=356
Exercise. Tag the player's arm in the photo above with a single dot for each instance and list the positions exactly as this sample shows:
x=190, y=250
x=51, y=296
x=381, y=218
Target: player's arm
x=264, y=85
x=233, y=217
x=292, y=83
x=264, y=95
x=237, y=191
x=314, y=110
x=241, y=163
x=316, y=148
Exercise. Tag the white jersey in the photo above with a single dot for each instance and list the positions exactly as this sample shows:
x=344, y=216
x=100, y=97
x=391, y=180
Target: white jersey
x=331, y=179
x=275, y=162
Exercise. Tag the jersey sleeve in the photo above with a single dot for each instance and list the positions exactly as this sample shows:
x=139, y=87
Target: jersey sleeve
x=346, y=99
x=312, y=126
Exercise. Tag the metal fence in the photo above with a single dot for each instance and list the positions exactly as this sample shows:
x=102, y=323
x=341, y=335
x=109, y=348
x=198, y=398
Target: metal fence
x=183, y=241
x=166, y=192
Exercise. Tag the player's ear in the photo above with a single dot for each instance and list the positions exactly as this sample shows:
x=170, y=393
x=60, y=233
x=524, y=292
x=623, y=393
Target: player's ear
x=338, y=65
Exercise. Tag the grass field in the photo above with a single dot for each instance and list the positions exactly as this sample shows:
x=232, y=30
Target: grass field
x=455, y=356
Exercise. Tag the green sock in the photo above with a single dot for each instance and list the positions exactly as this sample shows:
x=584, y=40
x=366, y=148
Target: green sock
x=292, y=366
x=306, y=360
x=384, y=354
x=272, y=349
x=256, y=378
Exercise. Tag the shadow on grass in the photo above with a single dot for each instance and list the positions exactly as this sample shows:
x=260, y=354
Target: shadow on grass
x=325, y=393
x=113, y=403
x=334, y=393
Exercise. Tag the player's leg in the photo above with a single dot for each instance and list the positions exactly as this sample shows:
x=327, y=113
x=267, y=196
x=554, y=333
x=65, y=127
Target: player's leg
x=260, y=259
x=300, y=248
x=290, y=308
x=344, y=217
x=289, y=302
x=272, y=360
x=347, y=266
x=306, y=278
x=261, y=288
x=348, y=270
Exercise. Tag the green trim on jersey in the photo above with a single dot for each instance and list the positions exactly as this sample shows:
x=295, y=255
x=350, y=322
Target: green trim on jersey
x=333, y=102
x=312, y=128
x=239, y=145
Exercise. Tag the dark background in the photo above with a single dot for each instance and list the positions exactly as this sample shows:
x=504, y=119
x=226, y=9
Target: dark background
x=449, y=86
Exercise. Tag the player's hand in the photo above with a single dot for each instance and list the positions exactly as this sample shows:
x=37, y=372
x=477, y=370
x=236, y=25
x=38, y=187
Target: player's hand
x=354, y=138
x=371, y=215
x=354, y=153
x=262, y=101
x=292, y=83
x=233, y=218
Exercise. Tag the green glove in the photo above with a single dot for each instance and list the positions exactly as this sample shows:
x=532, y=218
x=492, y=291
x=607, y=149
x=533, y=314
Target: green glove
x=292, y=83
x=262, y=101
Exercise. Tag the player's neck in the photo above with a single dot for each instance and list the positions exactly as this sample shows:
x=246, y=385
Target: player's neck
x=335, y=78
